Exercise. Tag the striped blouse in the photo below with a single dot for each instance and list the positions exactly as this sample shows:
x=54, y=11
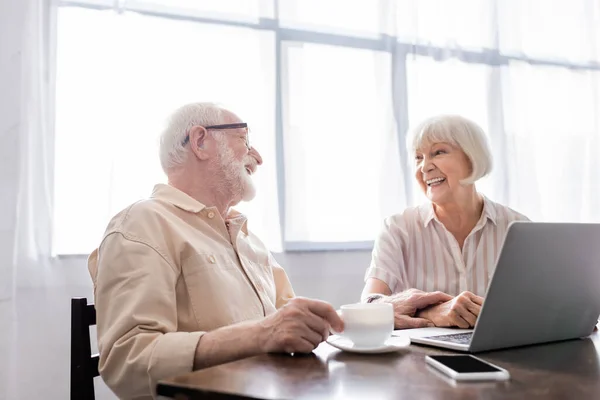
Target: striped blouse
x=414, y=250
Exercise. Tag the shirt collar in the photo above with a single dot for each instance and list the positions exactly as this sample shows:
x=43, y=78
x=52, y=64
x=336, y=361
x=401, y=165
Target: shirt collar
x=187, y=203
x=237, y=218
x=176, y=197
x=428, y=214
x=489, y=210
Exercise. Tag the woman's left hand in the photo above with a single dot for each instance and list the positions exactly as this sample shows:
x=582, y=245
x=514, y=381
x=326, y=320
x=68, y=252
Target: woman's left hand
x=462, y=311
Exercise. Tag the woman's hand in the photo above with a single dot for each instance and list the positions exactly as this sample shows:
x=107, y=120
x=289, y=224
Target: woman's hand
x=461, y=311
x=409, y=302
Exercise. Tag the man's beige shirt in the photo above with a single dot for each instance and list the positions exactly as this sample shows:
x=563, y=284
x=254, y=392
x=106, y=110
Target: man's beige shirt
x=168, y=270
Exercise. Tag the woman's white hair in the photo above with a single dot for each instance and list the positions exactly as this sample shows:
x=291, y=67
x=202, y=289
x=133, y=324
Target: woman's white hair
x=171, y=150
x=461, y=132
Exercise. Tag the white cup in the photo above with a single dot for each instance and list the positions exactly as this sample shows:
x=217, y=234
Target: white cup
x=368, y=324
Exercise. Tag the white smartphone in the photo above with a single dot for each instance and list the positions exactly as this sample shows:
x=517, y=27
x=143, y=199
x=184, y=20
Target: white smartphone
x=467, y=368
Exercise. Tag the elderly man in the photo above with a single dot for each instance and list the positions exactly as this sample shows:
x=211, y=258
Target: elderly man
x=180, y=282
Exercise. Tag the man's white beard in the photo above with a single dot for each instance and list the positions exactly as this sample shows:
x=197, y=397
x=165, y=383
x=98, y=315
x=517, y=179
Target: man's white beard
x=235, y=176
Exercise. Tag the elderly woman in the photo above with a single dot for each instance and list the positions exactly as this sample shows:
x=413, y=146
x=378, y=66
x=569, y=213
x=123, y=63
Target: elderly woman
x=450, y=243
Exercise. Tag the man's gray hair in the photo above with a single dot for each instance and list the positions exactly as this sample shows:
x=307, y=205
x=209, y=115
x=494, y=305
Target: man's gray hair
x=461, y=132
x=171, y=151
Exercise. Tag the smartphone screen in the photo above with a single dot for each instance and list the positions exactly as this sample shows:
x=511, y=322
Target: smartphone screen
x=464, y=364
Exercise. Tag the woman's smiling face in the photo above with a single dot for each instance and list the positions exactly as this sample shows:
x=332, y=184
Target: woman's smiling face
x=440, y=167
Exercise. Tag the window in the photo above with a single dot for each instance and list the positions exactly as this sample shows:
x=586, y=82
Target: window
x=346, y=128
x=361, y=18
x=118, y=76
x=553, y=134
x=566, y=30
x=330, y=88
x=464, y=24
x=451, y=87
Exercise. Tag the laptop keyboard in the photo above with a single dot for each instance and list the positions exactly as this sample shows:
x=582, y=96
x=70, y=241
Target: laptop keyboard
x=460, y=338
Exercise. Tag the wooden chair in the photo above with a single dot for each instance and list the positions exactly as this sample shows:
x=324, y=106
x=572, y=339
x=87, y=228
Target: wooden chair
x=84, y=365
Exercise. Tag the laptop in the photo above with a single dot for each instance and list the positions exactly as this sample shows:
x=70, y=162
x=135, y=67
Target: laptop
x=545, y=288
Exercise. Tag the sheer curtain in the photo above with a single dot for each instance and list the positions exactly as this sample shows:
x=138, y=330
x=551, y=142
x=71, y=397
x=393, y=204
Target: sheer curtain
x=330, y=88
x=529, y=73
x=118, y=78
x=26, y=135
x=337, y=145
x=9, y=111
x=532, y=86
x=553, y=138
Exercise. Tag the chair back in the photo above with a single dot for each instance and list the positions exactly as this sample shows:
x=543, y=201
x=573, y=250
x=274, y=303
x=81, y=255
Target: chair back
x=84, y=365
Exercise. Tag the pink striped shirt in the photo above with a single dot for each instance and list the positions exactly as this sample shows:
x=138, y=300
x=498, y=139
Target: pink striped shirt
x=415, y=250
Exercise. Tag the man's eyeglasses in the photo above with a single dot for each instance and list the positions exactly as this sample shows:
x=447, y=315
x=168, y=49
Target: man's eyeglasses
x=239, y=125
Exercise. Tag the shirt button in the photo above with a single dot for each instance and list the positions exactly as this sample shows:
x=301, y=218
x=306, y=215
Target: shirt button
x=212, y=259
x=211, y=214
x=259, y=287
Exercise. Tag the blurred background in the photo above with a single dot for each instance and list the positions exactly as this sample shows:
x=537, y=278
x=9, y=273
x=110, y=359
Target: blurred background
x=329, y=89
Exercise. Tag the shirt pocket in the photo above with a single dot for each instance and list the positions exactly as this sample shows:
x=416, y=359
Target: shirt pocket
x=219, y=291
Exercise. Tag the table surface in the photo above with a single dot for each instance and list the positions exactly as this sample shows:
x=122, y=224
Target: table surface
x=569, y=369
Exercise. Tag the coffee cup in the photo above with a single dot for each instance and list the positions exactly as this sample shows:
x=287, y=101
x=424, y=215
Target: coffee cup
x=367, y=324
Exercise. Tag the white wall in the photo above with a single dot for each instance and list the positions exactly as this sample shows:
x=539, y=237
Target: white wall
x=335, y=276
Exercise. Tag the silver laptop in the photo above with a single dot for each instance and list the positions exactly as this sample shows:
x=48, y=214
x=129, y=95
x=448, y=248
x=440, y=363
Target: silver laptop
x=545, y=288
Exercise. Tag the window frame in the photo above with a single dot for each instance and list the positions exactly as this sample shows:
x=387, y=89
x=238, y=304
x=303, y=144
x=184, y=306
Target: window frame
x=398, y=50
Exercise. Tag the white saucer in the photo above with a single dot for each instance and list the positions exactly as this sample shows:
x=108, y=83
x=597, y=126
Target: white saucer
x=392, y=344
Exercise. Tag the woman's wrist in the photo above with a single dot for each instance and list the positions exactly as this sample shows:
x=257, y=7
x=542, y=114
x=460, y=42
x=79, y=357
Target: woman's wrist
x=374, y=298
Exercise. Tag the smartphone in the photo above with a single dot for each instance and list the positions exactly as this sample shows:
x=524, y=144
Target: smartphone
x=467, y=368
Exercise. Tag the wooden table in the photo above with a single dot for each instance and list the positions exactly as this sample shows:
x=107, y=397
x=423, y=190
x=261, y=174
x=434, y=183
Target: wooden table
x=564, y=370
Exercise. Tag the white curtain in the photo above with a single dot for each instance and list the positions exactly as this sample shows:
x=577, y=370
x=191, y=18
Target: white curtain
x=9, y=92
x=26, y=137
x=527, y=71
x=329, y=88
x=340, y=144
x=537, y=94
x=118, y=78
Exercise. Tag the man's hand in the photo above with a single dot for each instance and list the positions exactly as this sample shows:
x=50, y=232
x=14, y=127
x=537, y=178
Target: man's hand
x=462, y=311
x=299, y=326
x=407, y=303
